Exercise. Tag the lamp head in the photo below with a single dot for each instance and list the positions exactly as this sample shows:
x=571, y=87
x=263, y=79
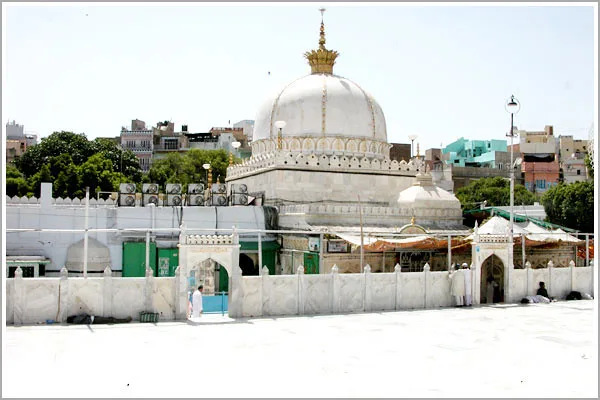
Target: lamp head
x=280, y=124
x=236, y=145
x=206, y=166
x=512, y=105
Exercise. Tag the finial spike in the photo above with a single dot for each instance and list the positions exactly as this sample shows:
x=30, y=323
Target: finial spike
x=322, y=34
x=321, y=60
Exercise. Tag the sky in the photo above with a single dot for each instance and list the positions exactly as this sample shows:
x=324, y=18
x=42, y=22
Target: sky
x=440, y=72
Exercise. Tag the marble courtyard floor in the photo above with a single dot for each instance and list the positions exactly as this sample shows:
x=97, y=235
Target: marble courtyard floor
x=538, y=350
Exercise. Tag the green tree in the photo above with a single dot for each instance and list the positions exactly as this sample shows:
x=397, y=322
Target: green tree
x=98, y=174
x=496, y=191
x=74, y=144
x=188, y=167
x=16, y=184
x=35, y=182
x=571, y=205
x=124, y=161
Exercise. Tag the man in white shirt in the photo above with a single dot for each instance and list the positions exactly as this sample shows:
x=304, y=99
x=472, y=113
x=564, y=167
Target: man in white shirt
x=197, y=302
x=457, y=286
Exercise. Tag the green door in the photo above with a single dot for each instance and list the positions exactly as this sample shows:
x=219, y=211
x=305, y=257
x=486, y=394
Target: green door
x=311, y=263
x=168, y=260
x=223, y=279
x=134, y=259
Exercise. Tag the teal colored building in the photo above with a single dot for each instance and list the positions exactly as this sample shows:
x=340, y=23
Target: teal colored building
x=476, y=153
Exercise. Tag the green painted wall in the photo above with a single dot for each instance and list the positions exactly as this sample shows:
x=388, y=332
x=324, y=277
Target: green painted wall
x=168, y=260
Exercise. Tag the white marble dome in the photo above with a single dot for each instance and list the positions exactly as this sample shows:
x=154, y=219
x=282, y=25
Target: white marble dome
x=424, y=195
x=321, y=105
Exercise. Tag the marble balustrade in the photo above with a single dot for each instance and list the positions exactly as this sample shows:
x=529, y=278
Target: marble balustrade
x=338, y=293
x=35, y=300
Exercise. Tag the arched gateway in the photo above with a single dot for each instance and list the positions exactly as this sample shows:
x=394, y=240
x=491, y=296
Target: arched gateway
x=224, y=249
x=490, y=255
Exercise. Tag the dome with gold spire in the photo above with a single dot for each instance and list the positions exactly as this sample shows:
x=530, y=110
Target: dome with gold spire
x=323, y=113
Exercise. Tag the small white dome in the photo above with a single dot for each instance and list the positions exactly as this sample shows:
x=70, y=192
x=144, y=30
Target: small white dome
x=98, y=256
x=425, y=195
x=321, y=105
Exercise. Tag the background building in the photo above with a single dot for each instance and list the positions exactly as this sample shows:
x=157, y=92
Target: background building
x=139, y=140
x=571, y=156
x=17, y=141
x=540, y=165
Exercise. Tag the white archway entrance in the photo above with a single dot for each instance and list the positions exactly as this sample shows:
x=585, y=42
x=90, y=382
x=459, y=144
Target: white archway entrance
x=484, y=247
x=201, y=252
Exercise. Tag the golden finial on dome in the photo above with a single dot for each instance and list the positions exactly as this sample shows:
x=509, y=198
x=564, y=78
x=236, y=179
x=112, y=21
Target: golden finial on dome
x=321, y=60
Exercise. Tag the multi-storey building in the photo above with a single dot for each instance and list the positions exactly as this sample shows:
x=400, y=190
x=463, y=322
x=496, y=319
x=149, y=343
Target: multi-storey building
x=540, y=166
x=156, y=143
x=476, y=153
x=571, y=155
x=139, y=140
x=166, y=140
x=247, y=126
x=17, y=141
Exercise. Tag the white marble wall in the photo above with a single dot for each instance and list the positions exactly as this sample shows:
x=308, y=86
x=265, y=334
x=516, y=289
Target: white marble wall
x=252, y=303
x=519, y=284
x=383, y=291
x=10, y=302
x=280, y=294
x=33, y=300
x=439, y=294
x=316, y=294
x=301, y=294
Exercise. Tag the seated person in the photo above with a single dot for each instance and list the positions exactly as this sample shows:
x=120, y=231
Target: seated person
x=542, y=291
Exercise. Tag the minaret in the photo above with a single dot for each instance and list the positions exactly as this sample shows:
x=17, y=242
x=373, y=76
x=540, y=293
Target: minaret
x=321, y=60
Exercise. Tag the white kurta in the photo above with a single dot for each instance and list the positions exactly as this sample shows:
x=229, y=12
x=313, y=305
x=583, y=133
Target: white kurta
x=468, y=289
x=196, y=303
x=457, y=283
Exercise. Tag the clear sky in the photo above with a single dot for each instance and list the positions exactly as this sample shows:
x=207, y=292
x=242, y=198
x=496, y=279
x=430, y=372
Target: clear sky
x=440, y=72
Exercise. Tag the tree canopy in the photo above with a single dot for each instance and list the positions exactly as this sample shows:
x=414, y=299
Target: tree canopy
x=188, y=168
x=571, y=205
x=71, y=162
x=496, y=191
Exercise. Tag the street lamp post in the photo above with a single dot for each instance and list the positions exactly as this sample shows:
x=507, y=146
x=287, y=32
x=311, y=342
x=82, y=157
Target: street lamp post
x=512, y=106
x=235, y=146
x=412, y=142
x=208, y=171
x=279, y=125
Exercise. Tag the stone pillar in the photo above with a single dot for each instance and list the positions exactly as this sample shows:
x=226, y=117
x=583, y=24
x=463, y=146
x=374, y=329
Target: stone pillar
x=367, y=289
x=301, y=289
x=530, y=283
x=181, y=296
x=427, y=284
x=236, y=292
x=335, y=290
x=64, y=300
x=475, y=284
x=265, y=292
x=573, y=279
x=19, y=300
x=398, y=292
x=549, y=283
x=148, y=291
x=107, y=293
